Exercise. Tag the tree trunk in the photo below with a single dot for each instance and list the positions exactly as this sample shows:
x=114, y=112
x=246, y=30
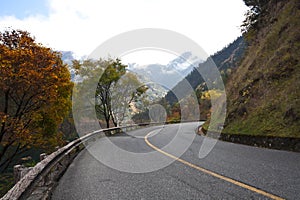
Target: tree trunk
x=107, y=122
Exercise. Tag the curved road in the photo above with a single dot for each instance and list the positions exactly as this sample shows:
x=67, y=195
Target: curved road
x=229, y=171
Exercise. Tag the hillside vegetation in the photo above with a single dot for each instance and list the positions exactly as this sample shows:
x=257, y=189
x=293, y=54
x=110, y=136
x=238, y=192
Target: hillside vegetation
x=263, y=92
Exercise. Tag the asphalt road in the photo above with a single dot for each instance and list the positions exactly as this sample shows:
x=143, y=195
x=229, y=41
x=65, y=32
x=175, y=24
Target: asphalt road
x=141, y=170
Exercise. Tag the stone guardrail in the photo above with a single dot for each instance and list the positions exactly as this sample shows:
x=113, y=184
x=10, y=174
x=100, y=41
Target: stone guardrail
x=38, y=182
x=270, y=142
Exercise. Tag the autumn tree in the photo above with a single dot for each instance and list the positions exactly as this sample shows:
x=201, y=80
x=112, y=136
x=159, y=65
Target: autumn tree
x=35, y=91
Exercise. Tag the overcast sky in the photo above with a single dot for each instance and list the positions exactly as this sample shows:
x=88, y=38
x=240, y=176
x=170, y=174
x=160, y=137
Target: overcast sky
x=81, y=25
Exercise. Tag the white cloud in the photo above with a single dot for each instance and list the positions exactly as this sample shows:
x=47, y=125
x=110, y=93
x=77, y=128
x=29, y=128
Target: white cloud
x=81, y=26
x=146, y=57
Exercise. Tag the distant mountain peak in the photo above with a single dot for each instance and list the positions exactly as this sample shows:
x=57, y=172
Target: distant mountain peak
x=170, y=74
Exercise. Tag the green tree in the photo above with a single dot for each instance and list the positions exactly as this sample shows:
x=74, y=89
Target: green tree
x=35, y=91
x=110, y=97
x=126, y=94
x=113, y=70
x=257, y=8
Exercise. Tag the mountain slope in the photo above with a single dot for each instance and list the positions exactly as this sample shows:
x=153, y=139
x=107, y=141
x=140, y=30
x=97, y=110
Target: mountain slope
x=263, y=93
x=226, y=60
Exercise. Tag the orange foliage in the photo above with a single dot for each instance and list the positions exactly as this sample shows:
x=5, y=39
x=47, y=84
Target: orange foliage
x=35, y=92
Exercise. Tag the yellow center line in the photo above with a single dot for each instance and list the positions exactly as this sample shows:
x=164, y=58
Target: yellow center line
x=243, y=185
